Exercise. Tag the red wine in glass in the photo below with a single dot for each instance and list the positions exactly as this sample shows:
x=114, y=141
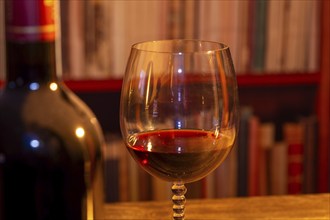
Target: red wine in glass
x=180, y=154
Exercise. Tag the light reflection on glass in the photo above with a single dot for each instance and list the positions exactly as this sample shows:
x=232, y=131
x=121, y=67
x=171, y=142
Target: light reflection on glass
x=178, y=124
x=34, y=143
x=216, y=132
x=142, y=81
x=144, y=162
x=53, y=86
x=149, y=146
x=80, y=132
x=93, y=120
x=34, y=86
x=132, y=140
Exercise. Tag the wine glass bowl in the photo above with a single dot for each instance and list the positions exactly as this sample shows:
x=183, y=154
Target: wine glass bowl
x=179, y=109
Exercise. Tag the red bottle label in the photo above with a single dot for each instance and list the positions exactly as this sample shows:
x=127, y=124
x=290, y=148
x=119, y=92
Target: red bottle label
x=30, y=20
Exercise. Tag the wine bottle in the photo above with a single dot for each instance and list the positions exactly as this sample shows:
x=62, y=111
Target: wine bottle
x=50, y=141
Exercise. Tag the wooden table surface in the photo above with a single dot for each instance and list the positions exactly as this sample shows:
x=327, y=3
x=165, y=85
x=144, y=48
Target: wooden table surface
x=314, y=206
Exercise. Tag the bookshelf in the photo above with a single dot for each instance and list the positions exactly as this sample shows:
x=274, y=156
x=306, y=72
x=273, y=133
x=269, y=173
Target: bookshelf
x=265, y=79
x=277, y=96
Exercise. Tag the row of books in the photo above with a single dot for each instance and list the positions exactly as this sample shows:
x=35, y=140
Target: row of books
x=264, y=36
x=261, y=163
x=276, y=159
x=124, y=178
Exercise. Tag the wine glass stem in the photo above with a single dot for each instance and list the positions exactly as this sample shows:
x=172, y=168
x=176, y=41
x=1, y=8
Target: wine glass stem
x=179, y=200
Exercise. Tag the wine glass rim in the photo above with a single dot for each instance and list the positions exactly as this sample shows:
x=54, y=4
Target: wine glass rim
x=213, y=46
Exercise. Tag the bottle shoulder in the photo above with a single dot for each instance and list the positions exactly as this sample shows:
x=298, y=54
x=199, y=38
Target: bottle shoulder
x=53, y=110
x=48, y=98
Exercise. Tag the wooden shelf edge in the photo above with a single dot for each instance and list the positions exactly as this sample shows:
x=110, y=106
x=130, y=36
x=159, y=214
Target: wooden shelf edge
x=253, y=80
x=108, y=85
x=246, y=80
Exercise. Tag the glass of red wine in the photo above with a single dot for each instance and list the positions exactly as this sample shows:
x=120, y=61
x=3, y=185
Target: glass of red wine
x=179, y=110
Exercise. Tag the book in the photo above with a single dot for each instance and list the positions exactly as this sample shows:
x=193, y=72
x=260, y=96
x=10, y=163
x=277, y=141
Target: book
x=76, y=50
x=222, y=27
x=293, y=136
x=242, y=151
x=274, y=36
x=197, y=189
x=161, y=190
x=310, y=144
x=116, y=169
x=266, y=143
x=125, y=179
x=295, y=42
x=313, y=36
x=225, y=176
x=133, y=179
x=210, y=185
x=190, y=22
x=257, y=30
x=241, y=36
x=253, y=157
x=176, y=24
x=279, y=169
x=97, y=39
x=112, y=169
x=132, y=22
x=123, y=169
x=145, y=185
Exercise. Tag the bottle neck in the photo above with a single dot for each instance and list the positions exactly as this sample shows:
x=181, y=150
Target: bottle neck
x=30, y=62
x=30, y=42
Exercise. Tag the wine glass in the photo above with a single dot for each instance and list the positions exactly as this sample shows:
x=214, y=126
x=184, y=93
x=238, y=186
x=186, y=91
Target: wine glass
x=179, y=110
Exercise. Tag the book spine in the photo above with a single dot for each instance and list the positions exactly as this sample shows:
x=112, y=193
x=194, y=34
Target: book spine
x=293, y=134
x=294, y=38
x=313, y=37
x=226, y=177
x=242, y=151
x=253, y=157
x=310, y=126
x=241, y=36
x=76, y=50
x=279, y=169
x=274, y=36
x=258, y=41
x=266, y=142
x=295, y=168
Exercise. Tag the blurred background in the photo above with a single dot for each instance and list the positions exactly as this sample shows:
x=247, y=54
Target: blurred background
x=281, y=55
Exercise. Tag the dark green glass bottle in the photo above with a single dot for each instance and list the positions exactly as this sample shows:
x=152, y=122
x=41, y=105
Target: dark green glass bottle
x=50, y=142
